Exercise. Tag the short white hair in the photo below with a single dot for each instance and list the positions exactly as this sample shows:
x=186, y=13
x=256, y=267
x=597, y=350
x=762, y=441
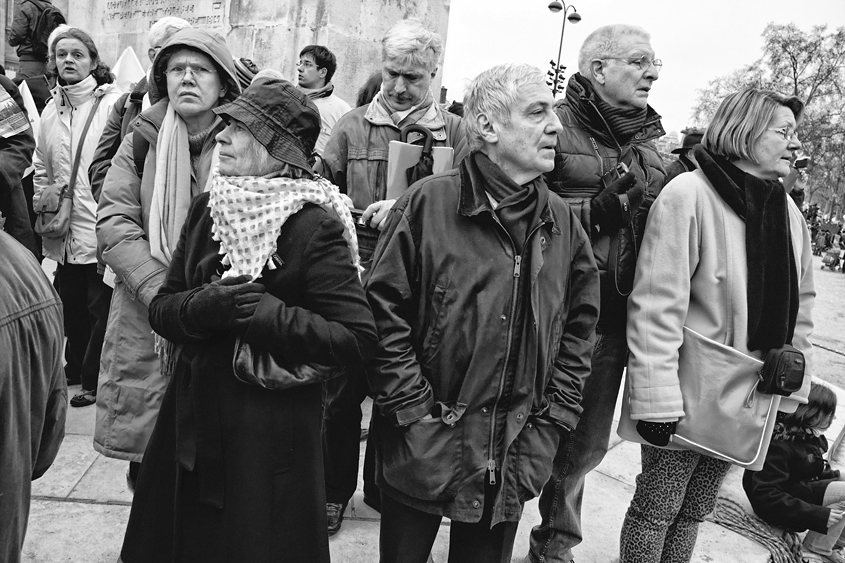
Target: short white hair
x=410, y=41
x=162, y=29
x=493, y=93
x=61, y=28
x=604, y=43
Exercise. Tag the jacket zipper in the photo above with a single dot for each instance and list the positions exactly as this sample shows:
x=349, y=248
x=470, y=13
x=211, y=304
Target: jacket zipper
x=517, y=272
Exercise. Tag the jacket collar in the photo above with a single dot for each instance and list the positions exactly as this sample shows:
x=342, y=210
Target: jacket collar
x=473, y=198
x=584, y=108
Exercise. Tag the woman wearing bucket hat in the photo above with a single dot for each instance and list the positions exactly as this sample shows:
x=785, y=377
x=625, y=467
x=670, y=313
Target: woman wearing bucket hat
x=268, y=258
x=158, y=169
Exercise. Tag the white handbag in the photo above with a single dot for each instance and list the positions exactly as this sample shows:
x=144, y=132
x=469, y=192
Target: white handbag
x=724, y=415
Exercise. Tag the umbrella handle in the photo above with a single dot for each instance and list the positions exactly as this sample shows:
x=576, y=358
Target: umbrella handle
x=415, y=128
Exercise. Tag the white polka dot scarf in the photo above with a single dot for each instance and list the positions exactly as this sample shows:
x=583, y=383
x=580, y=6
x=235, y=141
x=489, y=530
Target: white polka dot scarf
x=249, y=211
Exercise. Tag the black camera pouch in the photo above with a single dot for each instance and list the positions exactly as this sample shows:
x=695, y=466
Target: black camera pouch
x=782, y=372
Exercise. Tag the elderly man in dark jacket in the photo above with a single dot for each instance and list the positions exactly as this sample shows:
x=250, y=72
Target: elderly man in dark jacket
x=485, y=295
x=609, y=172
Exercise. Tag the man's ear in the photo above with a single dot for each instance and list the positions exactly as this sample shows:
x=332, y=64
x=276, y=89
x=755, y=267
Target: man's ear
x=151, y=53
x=323, y=72
x=489, y=131
x=597, y=72
x=224, y=89
x=434, y=72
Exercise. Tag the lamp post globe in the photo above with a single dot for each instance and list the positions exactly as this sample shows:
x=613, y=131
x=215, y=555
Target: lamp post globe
x=557, y=6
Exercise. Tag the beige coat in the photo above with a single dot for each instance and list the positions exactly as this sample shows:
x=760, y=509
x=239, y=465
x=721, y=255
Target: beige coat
x=692, y=262
x=131, y=387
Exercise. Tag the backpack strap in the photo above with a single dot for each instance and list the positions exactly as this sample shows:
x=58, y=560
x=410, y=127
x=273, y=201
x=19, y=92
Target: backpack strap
x=140, y=148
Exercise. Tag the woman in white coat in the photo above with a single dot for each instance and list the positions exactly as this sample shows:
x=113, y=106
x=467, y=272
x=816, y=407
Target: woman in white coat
x=726, y=253
x=84, y=82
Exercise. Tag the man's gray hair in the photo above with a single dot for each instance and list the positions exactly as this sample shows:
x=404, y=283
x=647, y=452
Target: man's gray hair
x=162, y=29
x=493, y=93
x=410, y=41
x=604, y=43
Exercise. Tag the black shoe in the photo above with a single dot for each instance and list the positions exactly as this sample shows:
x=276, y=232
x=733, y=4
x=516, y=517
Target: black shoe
x=84, y=398
x=334, y=513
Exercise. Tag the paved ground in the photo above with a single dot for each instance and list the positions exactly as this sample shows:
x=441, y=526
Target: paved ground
x=81, y=505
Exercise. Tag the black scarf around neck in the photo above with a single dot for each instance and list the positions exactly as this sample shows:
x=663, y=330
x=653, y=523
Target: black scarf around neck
x=518, y=206
x=623, y=123
x=772, y=291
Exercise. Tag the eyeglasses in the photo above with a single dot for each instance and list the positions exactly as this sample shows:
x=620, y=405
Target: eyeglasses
x=198, y=72
x=306, y=63
x=643, y=63
x=784, y=132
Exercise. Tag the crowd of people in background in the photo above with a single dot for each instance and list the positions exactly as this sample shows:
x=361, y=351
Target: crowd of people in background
x=237, y=274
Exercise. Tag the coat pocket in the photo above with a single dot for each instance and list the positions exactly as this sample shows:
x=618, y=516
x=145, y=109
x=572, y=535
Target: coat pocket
x=536, y=448
x=423, y=460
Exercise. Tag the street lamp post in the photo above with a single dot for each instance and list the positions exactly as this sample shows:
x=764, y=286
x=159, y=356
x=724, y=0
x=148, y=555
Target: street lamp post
x=556, y=74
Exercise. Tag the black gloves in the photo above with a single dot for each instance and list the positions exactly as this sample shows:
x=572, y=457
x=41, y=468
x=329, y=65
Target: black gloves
x=657, y=433
x=227, y=304
x=609, y=211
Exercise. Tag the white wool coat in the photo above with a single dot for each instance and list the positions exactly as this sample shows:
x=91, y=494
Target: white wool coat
x=692, y=262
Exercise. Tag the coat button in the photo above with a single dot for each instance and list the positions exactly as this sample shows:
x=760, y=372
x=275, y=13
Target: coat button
x=519, y=416
x=503, y=318
x=484, y=410
x=475, y=504
x=452, y=425
x=542, y=240
x=450, y=417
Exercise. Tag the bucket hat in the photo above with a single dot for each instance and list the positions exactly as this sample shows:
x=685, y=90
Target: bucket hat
x=280, y=117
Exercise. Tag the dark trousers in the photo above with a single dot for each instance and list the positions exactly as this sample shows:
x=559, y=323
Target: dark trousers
x=407, y=535
x=31, y=69
x=86, y=300
x=342, y=436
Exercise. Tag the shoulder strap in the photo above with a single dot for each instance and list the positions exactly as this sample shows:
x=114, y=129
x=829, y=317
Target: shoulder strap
x=140, y=148
x=76, y=160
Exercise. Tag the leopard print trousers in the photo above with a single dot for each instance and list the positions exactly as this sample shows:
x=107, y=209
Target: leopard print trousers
x=675, y=491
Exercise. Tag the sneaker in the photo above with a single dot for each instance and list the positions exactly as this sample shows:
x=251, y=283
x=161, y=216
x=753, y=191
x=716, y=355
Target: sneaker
x=334, y=513
x=84, y=398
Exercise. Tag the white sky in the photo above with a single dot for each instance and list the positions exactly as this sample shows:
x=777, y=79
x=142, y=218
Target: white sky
x=697, y=40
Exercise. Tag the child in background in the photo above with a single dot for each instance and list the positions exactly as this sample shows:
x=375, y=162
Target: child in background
x=797, y=489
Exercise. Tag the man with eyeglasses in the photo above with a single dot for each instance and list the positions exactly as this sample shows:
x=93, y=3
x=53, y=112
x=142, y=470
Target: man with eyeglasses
x=314, y=72
x=608, y=170
x=355, y=159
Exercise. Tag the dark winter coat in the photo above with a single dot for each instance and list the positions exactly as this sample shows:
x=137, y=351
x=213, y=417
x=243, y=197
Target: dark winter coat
x=242, y=464
x=442, y=288
x=789, y=490
x=15, y=157
x=579, y=167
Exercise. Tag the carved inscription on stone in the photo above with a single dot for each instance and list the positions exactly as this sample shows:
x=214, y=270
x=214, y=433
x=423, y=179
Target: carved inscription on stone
x=141, y=14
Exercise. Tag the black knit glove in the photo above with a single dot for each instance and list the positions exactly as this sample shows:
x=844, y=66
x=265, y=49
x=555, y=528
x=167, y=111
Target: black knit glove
x=657, y=433
x=227, y=304
x=608, y=212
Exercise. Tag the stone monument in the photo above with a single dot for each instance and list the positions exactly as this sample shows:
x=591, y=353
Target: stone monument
x=270, y=32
